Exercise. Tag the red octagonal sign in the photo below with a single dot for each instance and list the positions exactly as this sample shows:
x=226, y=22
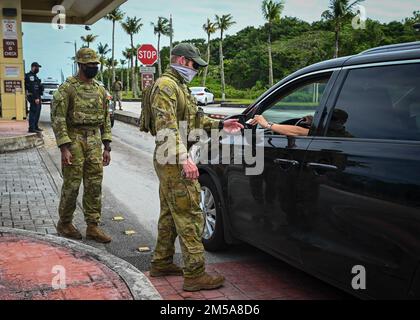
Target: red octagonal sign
x=147, y=54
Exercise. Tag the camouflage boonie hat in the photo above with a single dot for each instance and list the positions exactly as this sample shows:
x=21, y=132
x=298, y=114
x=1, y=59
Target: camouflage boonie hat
x=87, y=55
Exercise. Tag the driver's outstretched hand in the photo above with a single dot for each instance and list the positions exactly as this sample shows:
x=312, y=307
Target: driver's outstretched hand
x=259, y=120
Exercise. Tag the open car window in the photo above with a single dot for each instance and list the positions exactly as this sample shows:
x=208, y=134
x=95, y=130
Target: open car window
x=299, y=101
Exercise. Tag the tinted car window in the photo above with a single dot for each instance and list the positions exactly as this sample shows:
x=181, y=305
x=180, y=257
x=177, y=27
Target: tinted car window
x=379, y=103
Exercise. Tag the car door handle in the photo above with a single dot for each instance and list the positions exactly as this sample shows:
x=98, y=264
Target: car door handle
x=293, y=163
x=322, y=166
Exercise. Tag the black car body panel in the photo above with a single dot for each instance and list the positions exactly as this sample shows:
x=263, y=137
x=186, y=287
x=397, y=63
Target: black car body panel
x=347, y=195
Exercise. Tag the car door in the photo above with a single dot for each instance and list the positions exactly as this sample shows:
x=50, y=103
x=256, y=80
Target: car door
x=209, y=95
x=360, y=207
x=262, y=209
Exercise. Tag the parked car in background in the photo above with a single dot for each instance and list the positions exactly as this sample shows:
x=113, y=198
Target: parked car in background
x=202, y=95
x=343, y=201
x=50, y=87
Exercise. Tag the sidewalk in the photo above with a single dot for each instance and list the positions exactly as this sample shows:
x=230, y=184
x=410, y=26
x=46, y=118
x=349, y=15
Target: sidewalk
x=14, y=136
x=30, y=252
x=253, y=280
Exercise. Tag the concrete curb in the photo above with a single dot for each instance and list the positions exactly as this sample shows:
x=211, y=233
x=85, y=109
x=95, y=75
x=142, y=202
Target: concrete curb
x=127, y=117
x=139, y=285
x=29, y=141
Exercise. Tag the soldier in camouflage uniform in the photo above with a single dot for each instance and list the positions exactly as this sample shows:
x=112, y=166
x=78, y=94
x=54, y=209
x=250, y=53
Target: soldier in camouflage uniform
x=81, y=124
x=171, y=102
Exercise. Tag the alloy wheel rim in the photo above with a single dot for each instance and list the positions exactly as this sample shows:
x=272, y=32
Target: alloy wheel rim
x=208, y=206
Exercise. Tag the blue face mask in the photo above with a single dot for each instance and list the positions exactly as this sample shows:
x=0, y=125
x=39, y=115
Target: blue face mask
x=187, y=73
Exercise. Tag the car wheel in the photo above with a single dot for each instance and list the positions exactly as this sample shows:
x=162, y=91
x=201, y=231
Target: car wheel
x=213, y=238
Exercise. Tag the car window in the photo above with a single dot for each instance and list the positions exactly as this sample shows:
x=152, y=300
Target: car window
x=379, y=103
x=299, y=102
x=50, y=86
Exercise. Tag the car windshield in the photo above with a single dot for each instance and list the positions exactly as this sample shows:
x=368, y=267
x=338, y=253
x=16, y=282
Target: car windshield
x=197, y=90
x=50, y=85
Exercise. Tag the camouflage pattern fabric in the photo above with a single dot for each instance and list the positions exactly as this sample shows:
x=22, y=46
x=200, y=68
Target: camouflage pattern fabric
x=87, y=55
x=181, y=214
x=80, y=119
x=87, y=166
x=172, y=102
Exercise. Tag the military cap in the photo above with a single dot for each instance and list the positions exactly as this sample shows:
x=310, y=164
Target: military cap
x=189, y=51
x=87, y=55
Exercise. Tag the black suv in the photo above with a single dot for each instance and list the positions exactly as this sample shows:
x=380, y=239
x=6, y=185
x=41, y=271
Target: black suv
x=343, y=202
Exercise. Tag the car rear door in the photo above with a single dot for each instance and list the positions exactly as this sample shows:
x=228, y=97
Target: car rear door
x=360, y=206
x=262, y=207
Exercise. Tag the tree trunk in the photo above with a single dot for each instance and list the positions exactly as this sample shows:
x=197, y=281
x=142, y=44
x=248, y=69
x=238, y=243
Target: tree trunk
x=122, y=77
x=133, y=76
x=113, y=50
x=137, y=77
x=109, y=79
x=171, y=37
x=159, y=61
x=222, y=68
x=102, y=73
x=270, y=61
x=127, y=87
x=206, y=70
x=337, y=44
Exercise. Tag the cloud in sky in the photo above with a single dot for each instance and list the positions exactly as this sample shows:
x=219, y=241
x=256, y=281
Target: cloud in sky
x=44, y=44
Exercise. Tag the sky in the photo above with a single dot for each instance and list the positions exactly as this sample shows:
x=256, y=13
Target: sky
x=46, y=45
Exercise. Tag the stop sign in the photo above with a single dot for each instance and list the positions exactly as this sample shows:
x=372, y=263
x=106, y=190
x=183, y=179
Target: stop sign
x=147, y=54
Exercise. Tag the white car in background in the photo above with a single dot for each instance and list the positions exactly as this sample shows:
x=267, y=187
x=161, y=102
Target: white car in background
x=203, y=95
x=50, y=87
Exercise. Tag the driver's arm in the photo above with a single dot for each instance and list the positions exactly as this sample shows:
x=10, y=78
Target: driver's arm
x=288, y=130
x=281, y=129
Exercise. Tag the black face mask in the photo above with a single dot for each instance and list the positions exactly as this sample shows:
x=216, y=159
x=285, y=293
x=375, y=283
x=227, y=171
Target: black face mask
x=90, y=72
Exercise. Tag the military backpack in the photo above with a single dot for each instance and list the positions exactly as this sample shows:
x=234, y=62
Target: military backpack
x=147, y=123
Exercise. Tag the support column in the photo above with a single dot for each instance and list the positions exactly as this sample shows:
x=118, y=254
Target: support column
x=12, y=71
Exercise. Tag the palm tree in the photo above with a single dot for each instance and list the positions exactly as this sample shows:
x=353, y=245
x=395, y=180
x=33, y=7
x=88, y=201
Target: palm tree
x=132, y=26
x=115, y=15
x=127, y=53
x=338, y=11
x=110, y=63
x=209, y=28
x=161, y=28
x=271, y=12
x=88, y=39
x=122, y=63
x=103, y=50
x=223, y=23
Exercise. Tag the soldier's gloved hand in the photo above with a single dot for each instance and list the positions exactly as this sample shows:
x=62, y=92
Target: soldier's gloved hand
x=106, y=158
x=66, y=156
x=190, y=170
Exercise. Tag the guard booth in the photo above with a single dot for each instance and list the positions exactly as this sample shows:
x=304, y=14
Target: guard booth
x=12, y=14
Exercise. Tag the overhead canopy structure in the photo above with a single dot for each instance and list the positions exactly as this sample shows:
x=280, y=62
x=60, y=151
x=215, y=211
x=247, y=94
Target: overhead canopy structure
x=84, y=12
x=12, y=14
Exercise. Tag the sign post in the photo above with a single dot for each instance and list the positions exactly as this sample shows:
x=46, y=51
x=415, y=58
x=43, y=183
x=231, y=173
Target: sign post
x=147, y=55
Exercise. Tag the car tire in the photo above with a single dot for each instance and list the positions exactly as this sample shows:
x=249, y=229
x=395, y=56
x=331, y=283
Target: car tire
x=215, y=242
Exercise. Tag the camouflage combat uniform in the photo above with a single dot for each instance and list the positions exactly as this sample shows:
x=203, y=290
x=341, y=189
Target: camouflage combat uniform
x=181, y=215
x=80, y=119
